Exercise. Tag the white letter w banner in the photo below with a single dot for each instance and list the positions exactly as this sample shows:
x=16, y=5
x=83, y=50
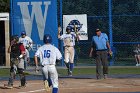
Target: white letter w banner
x=36, y=17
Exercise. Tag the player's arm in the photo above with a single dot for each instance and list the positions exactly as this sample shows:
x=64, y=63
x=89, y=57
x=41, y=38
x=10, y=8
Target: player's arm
x=36, y=60
x=76, y=33
x=9, y=48
x=36, y=64
x=22, y=49
x=59, y=31
x=92, y=50
x=107, y=44
x=30, y=44
x=58, y=55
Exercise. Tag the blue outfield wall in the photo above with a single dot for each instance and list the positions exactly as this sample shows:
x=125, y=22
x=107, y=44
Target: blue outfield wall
x=36, y=17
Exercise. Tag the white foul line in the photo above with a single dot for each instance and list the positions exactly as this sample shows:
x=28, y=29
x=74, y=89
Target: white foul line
x=32, y=91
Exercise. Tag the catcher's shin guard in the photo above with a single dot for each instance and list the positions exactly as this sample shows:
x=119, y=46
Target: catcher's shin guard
x=22, y=77
x=23, y=81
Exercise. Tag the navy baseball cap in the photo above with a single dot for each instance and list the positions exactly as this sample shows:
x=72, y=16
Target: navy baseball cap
x=23, y=33
x=97, y=30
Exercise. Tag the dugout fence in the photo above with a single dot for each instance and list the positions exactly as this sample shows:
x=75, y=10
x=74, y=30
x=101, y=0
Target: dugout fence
x=120, y=19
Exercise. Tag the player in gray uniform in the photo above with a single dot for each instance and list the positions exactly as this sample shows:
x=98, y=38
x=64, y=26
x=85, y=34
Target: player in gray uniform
x=17, y=52
x=48, y=55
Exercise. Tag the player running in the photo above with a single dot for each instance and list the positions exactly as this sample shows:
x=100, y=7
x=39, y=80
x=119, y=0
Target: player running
x=48, y=55
x=69, y=43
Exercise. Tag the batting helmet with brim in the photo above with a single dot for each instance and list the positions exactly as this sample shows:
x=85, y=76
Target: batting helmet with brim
x=47, y=38
x=68, y=28
x=23, y=33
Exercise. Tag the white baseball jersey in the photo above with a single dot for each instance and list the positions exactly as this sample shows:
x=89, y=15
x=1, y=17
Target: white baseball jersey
x=68, y=39
x=27, y=41
x=48, y=54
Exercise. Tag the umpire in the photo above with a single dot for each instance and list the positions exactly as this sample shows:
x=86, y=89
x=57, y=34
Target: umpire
x=100, y=48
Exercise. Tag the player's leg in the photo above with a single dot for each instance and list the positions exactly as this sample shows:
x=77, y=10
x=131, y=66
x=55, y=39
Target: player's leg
x=104, y=57
x=22, y=77
x=21, y=73
x=48, y=79
x=136, y=58
x=98, y=65
x=26, y=59
x=66, y=58
x=45, y=74
x=11, y=78
x=54, y=78
x=13, y=71
x=71, y=60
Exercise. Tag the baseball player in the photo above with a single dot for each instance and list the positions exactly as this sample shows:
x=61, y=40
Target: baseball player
x=17, y=52
x=27, y=42
x=69, y=43
x=48, y=55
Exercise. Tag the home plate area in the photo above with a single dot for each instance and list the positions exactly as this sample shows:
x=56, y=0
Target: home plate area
x=74, y=85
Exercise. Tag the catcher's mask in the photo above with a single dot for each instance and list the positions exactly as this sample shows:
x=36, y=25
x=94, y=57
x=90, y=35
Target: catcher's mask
x=15, y=38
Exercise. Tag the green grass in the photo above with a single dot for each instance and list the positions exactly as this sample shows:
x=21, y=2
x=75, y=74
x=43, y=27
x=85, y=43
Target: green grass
x=92, y=71
x=6, y=72
x=88, y=71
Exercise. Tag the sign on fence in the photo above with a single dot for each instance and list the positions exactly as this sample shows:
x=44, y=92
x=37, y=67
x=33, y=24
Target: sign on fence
x=79, y=21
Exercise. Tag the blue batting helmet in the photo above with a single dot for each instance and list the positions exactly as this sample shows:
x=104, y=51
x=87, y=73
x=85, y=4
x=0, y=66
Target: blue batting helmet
x=68, y=28
x=23, y=33
x=47, y=38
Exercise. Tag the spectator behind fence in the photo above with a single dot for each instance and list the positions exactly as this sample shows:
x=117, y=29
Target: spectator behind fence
x=137, y=55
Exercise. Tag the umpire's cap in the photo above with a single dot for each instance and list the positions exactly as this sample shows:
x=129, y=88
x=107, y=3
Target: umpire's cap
x=23, y=33
x=97, y=30
x=47, y=38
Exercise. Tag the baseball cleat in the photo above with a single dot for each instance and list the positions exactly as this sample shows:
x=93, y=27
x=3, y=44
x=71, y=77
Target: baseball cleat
x=70, y=73
x=137, y=64
x=8, y=86
x=22, y=86
x=46, y=85
x=105, y=76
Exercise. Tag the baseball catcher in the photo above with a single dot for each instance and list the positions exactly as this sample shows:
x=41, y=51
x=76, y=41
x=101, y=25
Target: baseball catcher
x=17, y=52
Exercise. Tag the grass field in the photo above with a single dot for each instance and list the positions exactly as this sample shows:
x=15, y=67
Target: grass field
x=88, y=71
x=91, y=71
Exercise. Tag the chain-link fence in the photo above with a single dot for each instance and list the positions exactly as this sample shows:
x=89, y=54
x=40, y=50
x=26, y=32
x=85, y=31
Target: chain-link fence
x=125, y=17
